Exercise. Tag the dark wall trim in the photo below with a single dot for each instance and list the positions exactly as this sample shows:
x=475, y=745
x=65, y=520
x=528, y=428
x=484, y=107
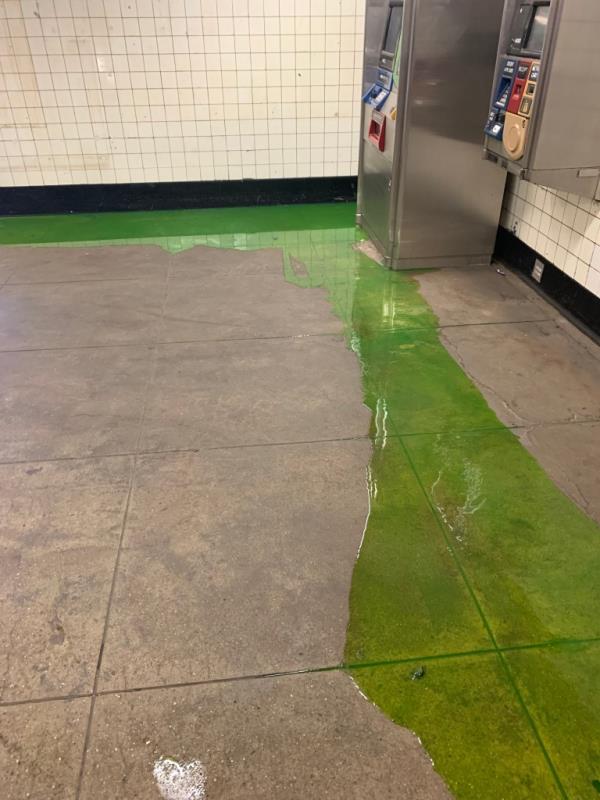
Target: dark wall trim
x=23, y=200
x=582, y=306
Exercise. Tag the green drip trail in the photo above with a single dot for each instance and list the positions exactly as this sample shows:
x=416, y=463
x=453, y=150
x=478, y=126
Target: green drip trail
x=469, y=547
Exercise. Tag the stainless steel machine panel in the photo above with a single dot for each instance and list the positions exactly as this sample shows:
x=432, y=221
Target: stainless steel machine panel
x=560, y=128
x=426, y=197
x=376, y=165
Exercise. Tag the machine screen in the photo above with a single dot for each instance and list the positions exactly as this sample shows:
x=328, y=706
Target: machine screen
x=393, y=29
x=518, y=26
x=537, y=33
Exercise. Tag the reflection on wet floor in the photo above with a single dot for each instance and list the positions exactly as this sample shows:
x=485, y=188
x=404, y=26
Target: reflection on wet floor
x=469, y=549
x=475, y=573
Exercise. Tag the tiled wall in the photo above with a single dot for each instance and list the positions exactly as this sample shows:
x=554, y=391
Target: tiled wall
x=104, y=91
x=564, y=228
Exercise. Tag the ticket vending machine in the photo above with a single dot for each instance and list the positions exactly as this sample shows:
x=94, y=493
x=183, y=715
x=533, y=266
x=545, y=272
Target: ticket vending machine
x=543, y=122
x=426, y=197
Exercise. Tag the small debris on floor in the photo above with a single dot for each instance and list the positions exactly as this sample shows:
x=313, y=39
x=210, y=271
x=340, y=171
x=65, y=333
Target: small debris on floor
x=417, y=674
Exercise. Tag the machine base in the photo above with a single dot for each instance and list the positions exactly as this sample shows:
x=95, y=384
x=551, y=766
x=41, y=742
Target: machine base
x=482, y=260
x=420, y=262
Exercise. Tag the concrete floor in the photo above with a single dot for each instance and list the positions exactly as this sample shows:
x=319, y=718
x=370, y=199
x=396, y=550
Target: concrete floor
x=183, y=456
x=183, y=451
x=538, y=372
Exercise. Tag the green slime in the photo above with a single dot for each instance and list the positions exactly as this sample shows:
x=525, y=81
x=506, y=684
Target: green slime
x=473, y=566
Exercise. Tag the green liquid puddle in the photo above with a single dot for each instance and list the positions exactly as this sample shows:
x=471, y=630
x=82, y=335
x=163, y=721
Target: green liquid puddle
x=473, y=564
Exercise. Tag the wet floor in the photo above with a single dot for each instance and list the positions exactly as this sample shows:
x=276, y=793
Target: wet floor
x=206, y=415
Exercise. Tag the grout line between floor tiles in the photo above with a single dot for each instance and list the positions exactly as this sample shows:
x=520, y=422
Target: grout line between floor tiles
x=341, y=667
x=88, y=730
x=532, y=724
x=144, y=279
x=175, y=450
x=483, y=651
x=11, y=272
x=502, y=427
x=359, y=437
x=32, y=701
x=449, y=545
x=94, y=693
x=153, y=344
x=482, y=324
x=486, y=624
x=290, y=337
x=520, y=278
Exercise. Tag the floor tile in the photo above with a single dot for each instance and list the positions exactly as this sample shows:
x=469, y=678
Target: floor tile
x=241, y=306
x=422, y=387
x=6, y=269
x=254, y=392
x=492, y=297
x=561, y=687
x=340, y=291
x=408, y=598
x=305, y=736
x=387, y=301
x=532, y=556
x=60, y=264
x=41, y=748
x=470, y=721
x=59, y=529
x=529, y=373
x=243, y=557
x=206, y=262
x=316, y=264
x=236, y=562
x=366, y=296
x=72, y=402
x=570, y=455
x=80, y=314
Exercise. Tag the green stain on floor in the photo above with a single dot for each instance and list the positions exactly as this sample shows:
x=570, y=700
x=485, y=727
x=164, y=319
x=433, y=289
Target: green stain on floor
x=172, y=230
x=475, y=571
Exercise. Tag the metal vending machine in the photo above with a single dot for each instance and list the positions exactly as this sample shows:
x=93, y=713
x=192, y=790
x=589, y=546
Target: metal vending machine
x=544, y=117
x=426, y=195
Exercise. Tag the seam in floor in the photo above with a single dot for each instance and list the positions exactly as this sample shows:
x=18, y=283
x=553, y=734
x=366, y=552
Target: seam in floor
x=342, y=667
x=154, y=344
x=373, y=438
x=161, y=343
x=486, y=624
x=143, y=278
x=133, y=467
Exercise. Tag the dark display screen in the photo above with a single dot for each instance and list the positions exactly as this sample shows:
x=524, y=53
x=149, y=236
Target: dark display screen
x=518, y=27
x=529, y=28
x=393, y=29
x=537, y=32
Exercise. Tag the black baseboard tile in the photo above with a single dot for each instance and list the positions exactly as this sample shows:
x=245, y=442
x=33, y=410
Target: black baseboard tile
x=91, y=198
x=581, y=305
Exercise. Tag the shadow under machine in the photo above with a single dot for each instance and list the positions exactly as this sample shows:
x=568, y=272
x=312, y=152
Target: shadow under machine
x=544, y=117
x=426, y=195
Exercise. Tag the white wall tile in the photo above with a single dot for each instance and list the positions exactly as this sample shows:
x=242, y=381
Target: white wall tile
x=567, y=227
x=110, y=90
x=593, y=281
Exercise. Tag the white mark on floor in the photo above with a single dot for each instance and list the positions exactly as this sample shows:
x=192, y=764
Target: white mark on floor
x=362, y=694
x=471, y=477
x=177, y=781
x=371, y=495
x=381, y=415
